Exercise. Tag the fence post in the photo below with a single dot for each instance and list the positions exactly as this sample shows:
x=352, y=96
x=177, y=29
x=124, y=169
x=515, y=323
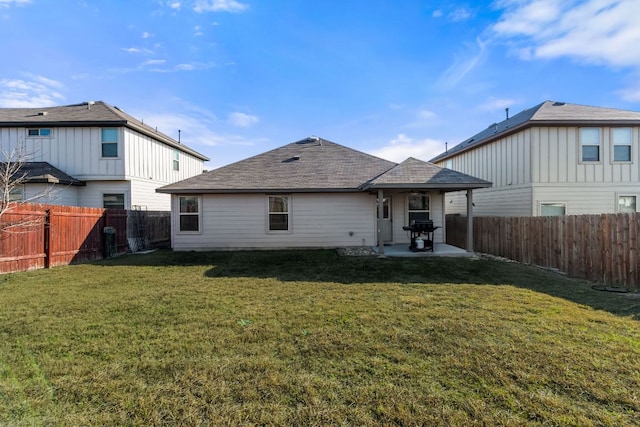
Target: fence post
x=47, y=238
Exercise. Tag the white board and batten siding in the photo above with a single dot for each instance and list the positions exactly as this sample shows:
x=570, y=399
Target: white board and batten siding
x=318, y=220
x=560, y=176
x=505, y=201
x=504, y=162
x=543, y=164
x=143, y=164
x=149, y=159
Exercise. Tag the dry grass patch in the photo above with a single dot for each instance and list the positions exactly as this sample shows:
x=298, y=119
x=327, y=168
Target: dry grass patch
x=310, y=338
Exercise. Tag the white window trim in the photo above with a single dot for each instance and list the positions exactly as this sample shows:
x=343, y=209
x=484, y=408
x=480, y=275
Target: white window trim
x=551, y=202
x=175, y=162
x=39, y=136
x=617, y=200
x=580, y=145
x=124, y=193
x=613, y=144
x=179, y=214
x=117, y=143
x=413, y=210
x=289, y=229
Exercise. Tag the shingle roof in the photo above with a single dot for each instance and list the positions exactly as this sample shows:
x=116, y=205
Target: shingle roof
x=414, y=173
x=312, y=164
x=85, y=114
x=43, y=172
x=317, y=165
x=550, y=113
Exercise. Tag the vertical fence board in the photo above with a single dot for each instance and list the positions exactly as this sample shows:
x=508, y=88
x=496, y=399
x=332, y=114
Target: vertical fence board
x=75, y=234
x=602, y=248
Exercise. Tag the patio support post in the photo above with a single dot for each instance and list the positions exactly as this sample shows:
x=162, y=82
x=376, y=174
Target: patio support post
x=379, y=222
x=469, y=220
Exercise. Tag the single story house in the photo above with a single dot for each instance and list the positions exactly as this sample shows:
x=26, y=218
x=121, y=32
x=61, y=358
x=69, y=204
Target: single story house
x=311, y=193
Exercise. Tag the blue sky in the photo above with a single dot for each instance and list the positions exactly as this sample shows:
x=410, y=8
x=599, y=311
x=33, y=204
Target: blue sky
x=392, y=78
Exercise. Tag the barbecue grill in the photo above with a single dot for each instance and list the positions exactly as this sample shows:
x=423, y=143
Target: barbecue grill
x=417, y=229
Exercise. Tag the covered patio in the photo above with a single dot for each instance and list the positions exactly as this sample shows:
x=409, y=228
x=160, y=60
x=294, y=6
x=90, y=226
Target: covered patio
x=414, y=176
x=440, y=249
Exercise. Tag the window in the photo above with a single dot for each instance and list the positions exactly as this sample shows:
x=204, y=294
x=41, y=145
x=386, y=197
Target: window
x=626, y=204
x=109, y=142
x=621, y=138
x=176, y=160
x=113, y=201
x=590, y=144
x=43, y=132
x=189, y=213
x=279, y=213
x=15, y=194
x=418, y=208
x=553, y=209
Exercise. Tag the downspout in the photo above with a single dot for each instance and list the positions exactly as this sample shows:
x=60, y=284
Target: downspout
x=469, y=220
x=379, y=221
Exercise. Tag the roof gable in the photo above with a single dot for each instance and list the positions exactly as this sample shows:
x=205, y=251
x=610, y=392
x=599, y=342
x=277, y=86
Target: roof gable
x=86, y=114
x=414, y=173
x=312, y=164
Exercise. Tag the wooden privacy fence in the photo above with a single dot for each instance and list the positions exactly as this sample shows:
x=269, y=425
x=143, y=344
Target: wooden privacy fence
x=602, y=248
x=43, y=236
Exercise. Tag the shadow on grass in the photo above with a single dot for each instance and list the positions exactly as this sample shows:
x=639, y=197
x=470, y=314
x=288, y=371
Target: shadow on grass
x=328, y=266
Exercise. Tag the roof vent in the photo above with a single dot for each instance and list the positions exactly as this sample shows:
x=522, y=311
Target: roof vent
x=313, y=138
x=558, y=104
x=43, y=113
x=296, y=157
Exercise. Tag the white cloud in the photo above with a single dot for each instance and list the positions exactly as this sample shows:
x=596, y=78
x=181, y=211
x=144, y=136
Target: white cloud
x=197, y=31
x=493, y=104
x=460, y=14
x=137, y=50
x=219, y=6
x=196, y=125
x=594, y=31
x=436, y=14
x=242, y=120
x=154, y=62
x=462, y=65
x=146, y=35
x=176, y=5
x=7, y=3
x=37, y=92
x=630, y=94
x=403, y=147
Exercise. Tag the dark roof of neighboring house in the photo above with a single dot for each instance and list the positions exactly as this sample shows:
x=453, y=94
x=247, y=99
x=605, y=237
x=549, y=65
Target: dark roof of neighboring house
x=317, y=165
x=44, y=173
x=414, y=173
x=86, y=114
x=548, y=113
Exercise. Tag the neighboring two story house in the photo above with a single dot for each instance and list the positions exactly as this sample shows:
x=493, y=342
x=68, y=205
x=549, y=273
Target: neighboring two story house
x=94, y=155
x=552, y=159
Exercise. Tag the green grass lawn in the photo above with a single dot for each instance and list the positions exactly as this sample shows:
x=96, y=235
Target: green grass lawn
x=311, y=338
